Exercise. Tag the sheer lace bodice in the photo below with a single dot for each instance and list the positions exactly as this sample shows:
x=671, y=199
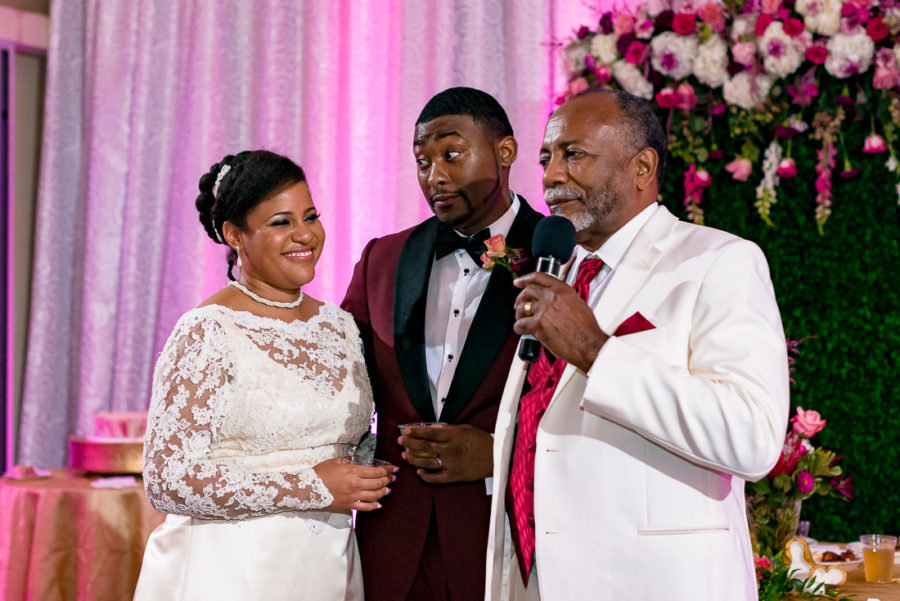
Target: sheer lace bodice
x=244, y=406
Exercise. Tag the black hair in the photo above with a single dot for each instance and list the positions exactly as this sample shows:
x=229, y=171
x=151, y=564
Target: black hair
x=484, y=109
x=250, y=177
x=640, y=125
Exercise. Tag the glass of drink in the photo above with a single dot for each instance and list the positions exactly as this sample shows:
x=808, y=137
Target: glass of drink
x=403, y=428
x=370, y=461
x=878, y=556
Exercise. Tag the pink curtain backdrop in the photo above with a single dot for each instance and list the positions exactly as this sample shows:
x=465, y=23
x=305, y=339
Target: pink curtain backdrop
x=143, y=96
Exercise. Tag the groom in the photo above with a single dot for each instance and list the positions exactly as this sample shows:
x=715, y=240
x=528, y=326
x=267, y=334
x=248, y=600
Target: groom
x=437, y=329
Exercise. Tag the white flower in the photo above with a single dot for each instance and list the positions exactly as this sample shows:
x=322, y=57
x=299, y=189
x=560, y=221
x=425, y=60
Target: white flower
x=820, y=16
x=574, y=55
x=897, y=53
x=849, y=54
x=711, y=64
x=603, y=47
x=891, y=164
x=742, y=27
x=746, y=93
x=674, y=54
x=780, y=56
x=632, y=80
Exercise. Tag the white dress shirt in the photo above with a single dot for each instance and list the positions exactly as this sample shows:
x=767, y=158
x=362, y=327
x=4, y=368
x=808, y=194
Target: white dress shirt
x=455, y=288
x=611, y=253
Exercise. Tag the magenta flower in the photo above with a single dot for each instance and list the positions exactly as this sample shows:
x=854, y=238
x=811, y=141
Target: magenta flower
x=636, y=52
x=740, y=168
x=667, y=98
x=805, y=482
x=787, y=168
x=602, y=73
x=877, y=30
x=762, y=23
x=582, y=32
x=684, y=23
x=843, y=486
x=874, y=144
x=793, y=27
x=817, y=53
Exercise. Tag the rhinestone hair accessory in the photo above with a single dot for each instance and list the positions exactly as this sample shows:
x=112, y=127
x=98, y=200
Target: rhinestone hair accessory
x=224, y=170
x=215, y=192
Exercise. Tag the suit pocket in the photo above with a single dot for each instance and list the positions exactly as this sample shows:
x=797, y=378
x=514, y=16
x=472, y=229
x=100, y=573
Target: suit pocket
x=683, y=498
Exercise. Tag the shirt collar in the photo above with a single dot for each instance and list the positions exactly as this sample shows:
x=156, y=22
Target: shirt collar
x=503, y=223
x=612, y=251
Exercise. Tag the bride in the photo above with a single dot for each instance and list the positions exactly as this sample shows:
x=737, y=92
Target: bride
x=258, y=396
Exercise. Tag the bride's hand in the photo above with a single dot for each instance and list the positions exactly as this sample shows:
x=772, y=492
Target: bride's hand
x=355, y=486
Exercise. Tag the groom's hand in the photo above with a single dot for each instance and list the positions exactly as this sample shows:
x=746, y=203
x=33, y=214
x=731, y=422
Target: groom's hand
x=450, y=453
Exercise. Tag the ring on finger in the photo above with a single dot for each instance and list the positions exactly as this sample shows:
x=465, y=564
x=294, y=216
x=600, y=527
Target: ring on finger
x=528, y=308
x=439, y=462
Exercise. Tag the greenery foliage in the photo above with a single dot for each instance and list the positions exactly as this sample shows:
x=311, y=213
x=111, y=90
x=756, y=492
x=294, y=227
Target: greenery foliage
x=842, y=290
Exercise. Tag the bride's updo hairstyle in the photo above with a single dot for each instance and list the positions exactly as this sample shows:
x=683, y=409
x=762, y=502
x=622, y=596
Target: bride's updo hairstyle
x=236, y=184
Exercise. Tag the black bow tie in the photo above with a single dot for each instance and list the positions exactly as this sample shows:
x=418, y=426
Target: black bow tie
x=448, y=241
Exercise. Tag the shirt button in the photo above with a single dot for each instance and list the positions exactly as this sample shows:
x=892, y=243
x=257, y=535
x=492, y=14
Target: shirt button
x=455, y=312
x=450, y=358
x=443, y=400
x=466, y=271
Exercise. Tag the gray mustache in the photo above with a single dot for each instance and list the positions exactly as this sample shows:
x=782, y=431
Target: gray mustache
x=556, y=193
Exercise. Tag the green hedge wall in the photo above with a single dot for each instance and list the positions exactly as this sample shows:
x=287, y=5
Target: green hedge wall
x=842, y=290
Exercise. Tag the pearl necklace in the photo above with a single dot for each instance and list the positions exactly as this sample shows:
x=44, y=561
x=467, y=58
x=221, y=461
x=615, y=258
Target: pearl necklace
x=266, y=301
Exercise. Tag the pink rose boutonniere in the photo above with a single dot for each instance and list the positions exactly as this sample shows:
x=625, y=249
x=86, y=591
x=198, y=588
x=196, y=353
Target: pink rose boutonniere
x=808, y=422
x=498, y=253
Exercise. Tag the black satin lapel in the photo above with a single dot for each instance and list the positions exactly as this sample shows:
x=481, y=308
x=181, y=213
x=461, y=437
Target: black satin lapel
x=493, y=321
x=410, y=288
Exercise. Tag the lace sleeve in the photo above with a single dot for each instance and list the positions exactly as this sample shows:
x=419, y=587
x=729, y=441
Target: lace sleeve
x=188, y=406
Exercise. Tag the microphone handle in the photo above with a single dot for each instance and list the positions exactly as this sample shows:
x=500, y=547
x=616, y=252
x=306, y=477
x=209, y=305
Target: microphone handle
x=529, y=347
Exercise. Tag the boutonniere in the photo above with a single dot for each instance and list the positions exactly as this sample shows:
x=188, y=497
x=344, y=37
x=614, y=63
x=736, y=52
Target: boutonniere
x=498, y=253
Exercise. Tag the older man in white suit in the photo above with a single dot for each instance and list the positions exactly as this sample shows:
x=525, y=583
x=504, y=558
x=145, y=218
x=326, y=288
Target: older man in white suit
x=669, y=387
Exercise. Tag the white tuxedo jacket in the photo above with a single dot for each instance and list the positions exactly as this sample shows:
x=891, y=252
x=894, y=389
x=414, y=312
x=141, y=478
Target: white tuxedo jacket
x=641, y=462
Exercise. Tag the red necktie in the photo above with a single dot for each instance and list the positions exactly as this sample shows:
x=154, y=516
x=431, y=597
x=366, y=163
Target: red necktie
x=543, y=377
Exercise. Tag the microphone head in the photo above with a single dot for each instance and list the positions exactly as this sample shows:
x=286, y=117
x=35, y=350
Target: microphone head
x=554, y=237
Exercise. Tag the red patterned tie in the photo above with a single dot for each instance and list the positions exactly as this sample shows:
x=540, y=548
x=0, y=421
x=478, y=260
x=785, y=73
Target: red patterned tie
x=543, y=377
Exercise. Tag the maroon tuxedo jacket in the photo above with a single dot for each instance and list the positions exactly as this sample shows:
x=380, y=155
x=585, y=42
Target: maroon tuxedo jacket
x=387, y=298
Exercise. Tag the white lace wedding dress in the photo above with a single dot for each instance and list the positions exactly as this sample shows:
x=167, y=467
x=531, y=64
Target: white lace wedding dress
x=242, y=408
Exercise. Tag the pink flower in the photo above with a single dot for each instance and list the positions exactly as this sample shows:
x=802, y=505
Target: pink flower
x=793, y=27
x=787, y=168
x=790, y=456
x=771, y=7
x=623, y=23
x=807, y=423
x=577, y=86
x=805, y=482
x=740, y=168
x=498, y=253
x=744, y=53
x=874, y=144
x=713, y=15
x=885, y=79
x=602, y=73
x=684, y=23
x=687, y=99
x=643, y=29
x=762, y=23
x=636, y=52
x=667, y=98
x=877, y=30
x=817, y=53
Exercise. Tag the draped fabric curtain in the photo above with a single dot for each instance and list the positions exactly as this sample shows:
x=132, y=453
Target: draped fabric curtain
x=142, y=97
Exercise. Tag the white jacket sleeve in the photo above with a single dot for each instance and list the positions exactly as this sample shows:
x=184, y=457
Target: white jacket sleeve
x=725, y=405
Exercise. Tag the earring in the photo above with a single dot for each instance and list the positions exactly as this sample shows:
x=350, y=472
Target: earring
x=237, y=249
